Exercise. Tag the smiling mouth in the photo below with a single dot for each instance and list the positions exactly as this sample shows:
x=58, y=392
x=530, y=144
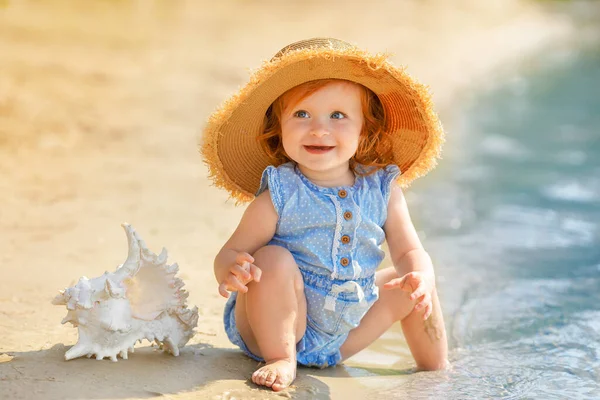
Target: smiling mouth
x=318, y=149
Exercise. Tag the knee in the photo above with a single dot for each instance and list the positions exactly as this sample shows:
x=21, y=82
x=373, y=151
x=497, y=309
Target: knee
x=396, y=302
x=273, y=255
x=276, y=262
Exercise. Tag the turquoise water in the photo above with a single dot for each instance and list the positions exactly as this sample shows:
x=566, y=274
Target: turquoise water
x=512, y=218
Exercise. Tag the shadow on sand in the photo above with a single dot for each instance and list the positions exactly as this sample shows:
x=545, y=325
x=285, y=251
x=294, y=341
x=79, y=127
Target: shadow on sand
x=201, y=369
x=147, y=373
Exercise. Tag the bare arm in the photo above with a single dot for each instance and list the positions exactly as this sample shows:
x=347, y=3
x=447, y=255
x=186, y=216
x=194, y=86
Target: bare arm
x=254, y=231
x=411, y=261
x=406, y=250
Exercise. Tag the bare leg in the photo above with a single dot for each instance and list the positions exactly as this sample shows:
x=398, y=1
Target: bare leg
x=426, y=339
x=271, y=316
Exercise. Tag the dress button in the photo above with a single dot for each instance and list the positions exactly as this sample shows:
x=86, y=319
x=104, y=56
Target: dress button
x=344, y=261
x=345, y=239
x=348, y=215
x=342, y=193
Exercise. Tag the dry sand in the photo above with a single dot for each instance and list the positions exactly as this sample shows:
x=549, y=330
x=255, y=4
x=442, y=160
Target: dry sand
x=100, y=107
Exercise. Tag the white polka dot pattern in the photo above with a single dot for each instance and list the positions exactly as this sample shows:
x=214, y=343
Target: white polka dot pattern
x=337, y=256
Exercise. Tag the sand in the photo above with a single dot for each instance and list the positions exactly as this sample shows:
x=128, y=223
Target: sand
x=101, y=104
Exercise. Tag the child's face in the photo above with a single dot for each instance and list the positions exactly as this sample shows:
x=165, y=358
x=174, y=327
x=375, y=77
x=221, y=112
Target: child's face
x=321, y=131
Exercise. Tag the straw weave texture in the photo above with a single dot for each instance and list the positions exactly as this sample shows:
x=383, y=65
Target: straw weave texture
x=229, y=143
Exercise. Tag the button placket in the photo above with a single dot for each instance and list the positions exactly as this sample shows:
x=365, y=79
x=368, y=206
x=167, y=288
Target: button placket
x=347, y=222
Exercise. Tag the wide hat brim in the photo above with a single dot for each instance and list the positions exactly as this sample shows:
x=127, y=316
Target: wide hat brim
x=229, y=144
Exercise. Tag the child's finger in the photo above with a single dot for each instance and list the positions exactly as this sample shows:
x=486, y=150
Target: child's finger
x=235, y=284
x=428, y=311
x=255, y=272
x=424, y=302
x=240, y=272
x=223, y=291
x=394, y=283
x=419, y=291
x=243, y=257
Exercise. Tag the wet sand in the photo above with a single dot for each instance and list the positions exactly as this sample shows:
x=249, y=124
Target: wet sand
x=100, y=109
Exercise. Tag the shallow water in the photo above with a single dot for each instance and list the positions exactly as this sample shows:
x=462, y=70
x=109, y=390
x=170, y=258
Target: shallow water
x=512, y=220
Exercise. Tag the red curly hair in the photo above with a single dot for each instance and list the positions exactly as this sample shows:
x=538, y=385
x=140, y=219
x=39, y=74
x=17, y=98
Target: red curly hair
x=374, y=147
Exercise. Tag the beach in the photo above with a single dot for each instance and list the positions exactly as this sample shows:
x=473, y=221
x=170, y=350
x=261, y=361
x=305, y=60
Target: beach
x=101, y=108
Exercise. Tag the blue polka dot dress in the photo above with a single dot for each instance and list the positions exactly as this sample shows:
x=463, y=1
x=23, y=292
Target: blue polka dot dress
x=335, y=235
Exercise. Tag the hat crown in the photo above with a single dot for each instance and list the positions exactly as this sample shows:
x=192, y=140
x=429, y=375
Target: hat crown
x=314, y=43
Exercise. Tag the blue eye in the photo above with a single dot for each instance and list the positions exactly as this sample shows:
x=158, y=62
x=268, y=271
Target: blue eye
x=301, y=114
x=338, y=115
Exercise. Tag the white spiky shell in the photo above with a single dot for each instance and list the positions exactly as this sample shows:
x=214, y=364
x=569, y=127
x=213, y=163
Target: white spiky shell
x=142, y=299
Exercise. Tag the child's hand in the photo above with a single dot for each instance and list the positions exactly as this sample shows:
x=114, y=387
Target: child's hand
x=419, y=285
x=239, y=274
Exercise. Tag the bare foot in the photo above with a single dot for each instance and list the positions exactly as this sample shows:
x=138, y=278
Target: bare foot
x=277, y=374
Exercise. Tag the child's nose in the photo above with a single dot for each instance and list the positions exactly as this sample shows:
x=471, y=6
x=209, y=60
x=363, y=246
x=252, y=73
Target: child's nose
x=319, y=130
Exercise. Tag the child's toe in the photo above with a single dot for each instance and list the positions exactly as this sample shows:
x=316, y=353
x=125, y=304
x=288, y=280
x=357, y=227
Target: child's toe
x=270, y=379
x=278, y=385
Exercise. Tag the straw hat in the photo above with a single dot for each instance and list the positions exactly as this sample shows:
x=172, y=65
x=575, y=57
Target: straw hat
x=229, y=144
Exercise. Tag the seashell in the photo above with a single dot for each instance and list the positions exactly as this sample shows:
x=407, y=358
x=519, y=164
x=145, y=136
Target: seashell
x=142, y=299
